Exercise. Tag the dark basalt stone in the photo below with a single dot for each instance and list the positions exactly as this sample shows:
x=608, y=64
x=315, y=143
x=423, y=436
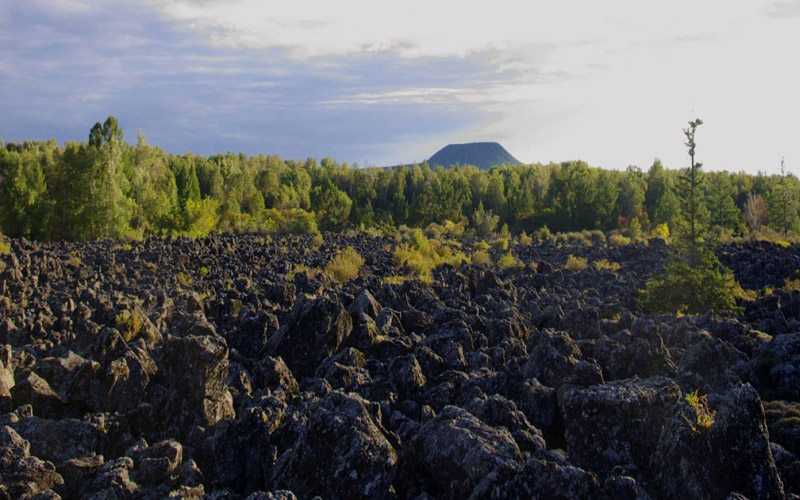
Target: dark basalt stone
x=199, y=369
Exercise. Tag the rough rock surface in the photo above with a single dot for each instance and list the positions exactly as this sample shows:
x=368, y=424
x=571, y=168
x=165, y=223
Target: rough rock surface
x=178, y=368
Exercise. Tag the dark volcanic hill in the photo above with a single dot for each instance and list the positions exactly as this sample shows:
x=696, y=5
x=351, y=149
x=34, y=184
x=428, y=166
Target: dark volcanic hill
x=483, y=155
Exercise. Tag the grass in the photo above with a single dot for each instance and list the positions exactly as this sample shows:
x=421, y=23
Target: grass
x=74, y=260
x=311, y=272
x=422, y=255
x=618, y=240
x=576, y=263
x=705, y=417
x=184, y=279
x=481, y=257
x=345, y=265
x=605, y=265
x=500, y=243
x=507, y=261
x=129, y=324
x=395, y=279
x=480, y=245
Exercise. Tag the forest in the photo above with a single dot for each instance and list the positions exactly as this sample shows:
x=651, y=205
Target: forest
x=108, y=188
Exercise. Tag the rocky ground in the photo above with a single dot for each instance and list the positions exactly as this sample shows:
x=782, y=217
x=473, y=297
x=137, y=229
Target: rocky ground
x=198, y=369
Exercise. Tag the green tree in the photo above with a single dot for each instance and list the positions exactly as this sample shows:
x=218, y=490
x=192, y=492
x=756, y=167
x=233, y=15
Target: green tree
x=693, y=280
x=332, y=206
x=783, y=211
x=24, y=205
x=720, y=201
x=484, y=221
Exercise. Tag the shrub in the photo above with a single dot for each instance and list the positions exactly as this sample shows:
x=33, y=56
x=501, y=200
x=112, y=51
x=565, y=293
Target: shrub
x=543, y=234
x=662, y=231
x=480, y=245
x=617, y=240
x=129, y=324
x=634, y=229
x=74, y=260
x=500, y=243
x=597, y=236
x=184, y=279
x=705, y=417
x=481, y=257
x=4, y=248
x=683, y=289
x=422, y=256
x=575, y=263
x=507, y=260
x=345, y=265
x=524, y=239
x=604, y=264
x=394, y=279
x=317, y=241
x=311, y=272
x=298, y=221
x=202, y=217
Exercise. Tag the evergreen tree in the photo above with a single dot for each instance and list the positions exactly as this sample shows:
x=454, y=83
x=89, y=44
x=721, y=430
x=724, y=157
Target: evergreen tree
x=693, y=280
x=784, y=205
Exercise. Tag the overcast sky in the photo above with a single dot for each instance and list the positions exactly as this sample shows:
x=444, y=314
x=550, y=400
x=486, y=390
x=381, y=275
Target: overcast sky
x=612, y=83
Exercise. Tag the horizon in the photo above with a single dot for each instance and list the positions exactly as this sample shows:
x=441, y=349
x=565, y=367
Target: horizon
x=611, y=84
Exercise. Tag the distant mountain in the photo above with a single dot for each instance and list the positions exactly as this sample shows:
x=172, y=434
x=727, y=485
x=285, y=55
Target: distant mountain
x=483, y=155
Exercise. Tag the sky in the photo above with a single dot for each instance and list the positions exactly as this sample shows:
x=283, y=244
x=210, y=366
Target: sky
x=612, y=83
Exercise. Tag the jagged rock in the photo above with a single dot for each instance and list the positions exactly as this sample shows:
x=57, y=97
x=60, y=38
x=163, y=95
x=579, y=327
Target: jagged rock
x=617, y=423
x=454, y=451
x=314, y=330
x=77, y=472
x=776, y=368
x=708, y=366
x=406, y=374
x=273, y=373
x=12, y=447
x=366, y=304
x=498, y=411
x=197, y=370
x=35, y=391
x=6, y=379
x=60, y=440
x=732, y=455
x=538, y=403
x=553, y=358
x=20, y=473
x=341, y=453
x=112, y=480
x=127, y=377
x=538, y=479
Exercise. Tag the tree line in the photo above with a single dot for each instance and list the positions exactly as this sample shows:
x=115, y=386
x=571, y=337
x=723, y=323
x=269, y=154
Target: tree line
x=106, y=187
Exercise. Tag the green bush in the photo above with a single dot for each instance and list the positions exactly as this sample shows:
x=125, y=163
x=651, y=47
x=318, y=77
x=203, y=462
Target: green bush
x=507, y=261
x=524, y=239
x=576, y=263
x=683, y=289
x=481, y=257
x=617, y=240
x=201, y=217
x=480, y=245
x=345, y=265
x=604, y=264
x=298, y=221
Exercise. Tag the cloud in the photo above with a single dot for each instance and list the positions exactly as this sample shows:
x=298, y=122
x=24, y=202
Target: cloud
x=787, y=9
x=610, y=82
